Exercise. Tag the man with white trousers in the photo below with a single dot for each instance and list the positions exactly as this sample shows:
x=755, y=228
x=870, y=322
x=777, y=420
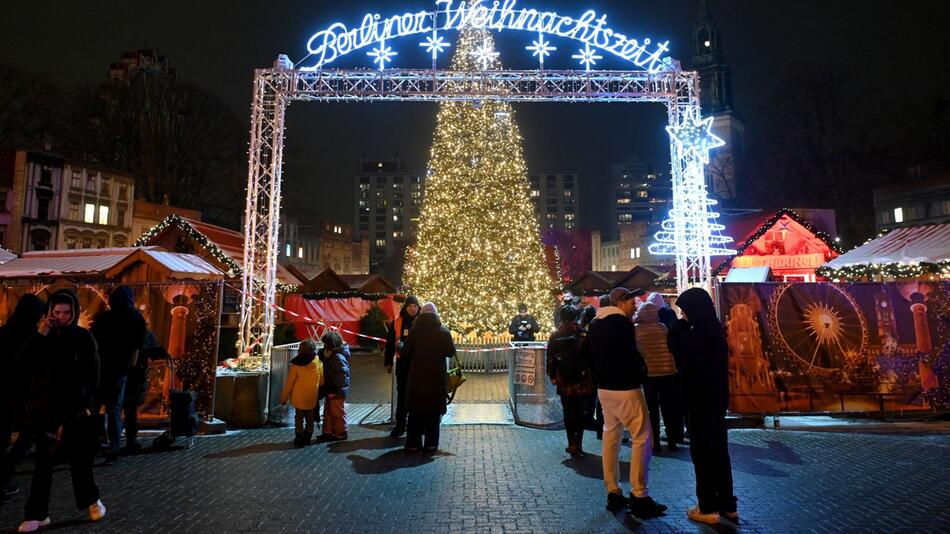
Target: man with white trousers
x=619, y=372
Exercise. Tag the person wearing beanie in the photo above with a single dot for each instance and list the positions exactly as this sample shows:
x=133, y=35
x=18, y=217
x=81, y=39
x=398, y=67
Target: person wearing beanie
x=572, y=377
x=619, y=372
x=661, y=386
x=396, y=337
x=666, y=314
x=304, y=377
x=698, y=342
x=523, y=326
x=429, y=347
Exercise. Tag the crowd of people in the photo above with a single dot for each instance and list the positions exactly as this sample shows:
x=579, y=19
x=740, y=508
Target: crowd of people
x=621, y=366
x=65, y=389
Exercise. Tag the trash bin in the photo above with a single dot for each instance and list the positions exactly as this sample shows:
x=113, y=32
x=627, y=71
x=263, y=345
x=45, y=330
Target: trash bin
x=534, y=400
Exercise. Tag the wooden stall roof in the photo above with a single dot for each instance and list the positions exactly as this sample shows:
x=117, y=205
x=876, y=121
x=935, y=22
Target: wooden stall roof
x=107, y=263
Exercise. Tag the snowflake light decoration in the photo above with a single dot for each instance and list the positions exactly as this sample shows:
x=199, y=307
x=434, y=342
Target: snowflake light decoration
x=587, y=57
x=540, y=48
x=695, y=135
x=382, y=54
x=485, y=54
x=434, y=45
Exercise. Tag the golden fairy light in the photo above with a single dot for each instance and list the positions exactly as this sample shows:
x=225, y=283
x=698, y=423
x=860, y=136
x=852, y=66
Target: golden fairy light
x=479, y=252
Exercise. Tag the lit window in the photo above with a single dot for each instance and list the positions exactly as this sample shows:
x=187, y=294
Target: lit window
x=633, y=254
x=103, y=214
x=568, y=193
x=90, y=214
x=898, y=215
x=300, y=252
x=380, y=242
x=638, y=252
x=707, y=43
x=287, y=250
x=535, y=193
x=397, y=235
x=642, y=194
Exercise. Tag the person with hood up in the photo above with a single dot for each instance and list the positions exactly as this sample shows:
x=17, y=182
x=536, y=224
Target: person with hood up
x=429, y=346
x=120, y=334
x=661, y=386
x=698, y=341
x=523, y=326
x=572, y=377
x=302, y=388
x=335, y=357
x=619, y=372
x=396, y=337
x=15, y=335
x=136, y=388
x=62, y=408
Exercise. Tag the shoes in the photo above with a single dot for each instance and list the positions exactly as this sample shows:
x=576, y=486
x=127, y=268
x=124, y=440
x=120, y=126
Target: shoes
x=411, y=449
x=97, y=511
x=673, y=446
x=132, y=447
x=324, y=438
x=697, y=515
x=299, y=440
x=341, y=437
x=616, y=501
x=645, y=507
x=430, y=448
x=33, y=525
x=397, y=432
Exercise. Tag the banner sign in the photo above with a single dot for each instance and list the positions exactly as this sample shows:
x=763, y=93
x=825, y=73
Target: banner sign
x=818, y=347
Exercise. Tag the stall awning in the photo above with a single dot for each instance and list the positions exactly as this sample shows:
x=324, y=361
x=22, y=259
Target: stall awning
x=107, y=262
x=909, y=245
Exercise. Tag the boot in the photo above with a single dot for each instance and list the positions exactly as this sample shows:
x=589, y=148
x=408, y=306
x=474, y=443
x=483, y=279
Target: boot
x=571, y=447
x=307, y=437
x=298, y=439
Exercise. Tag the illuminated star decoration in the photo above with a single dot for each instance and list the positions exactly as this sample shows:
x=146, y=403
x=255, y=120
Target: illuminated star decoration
x=540, y=48
x=485, y=54
x=435, y=45
x=695, y=135
x=382, y=54
x=587, y=57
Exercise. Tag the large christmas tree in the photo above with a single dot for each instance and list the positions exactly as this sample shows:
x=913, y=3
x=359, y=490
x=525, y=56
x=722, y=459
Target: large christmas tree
x=479, y=253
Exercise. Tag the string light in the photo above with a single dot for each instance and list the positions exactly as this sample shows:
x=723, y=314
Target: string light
x=479, y=252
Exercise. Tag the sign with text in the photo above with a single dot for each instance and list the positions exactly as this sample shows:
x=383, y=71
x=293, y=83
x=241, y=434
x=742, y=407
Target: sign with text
x=525, y=366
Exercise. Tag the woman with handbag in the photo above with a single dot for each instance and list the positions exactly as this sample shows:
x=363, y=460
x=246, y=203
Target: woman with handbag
x=62, y=408
x=428, y=347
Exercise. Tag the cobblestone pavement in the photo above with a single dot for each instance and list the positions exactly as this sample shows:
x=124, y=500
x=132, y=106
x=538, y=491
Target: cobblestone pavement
x=495, y=478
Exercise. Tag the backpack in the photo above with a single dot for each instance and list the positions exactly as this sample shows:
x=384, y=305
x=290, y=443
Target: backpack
x=570, y=369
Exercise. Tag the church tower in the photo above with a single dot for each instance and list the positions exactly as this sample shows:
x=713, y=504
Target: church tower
x=716, y=100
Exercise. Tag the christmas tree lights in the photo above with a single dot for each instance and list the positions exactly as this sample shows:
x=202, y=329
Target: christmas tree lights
x=479, y=252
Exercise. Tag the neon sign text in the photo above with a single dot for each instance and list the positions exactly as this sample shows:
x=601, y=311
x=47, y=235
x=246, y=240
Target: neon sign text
x=589, y=28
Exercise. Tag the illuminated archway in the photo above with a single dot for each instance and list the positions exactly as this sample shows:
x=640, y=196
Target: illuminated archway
x=690, y=233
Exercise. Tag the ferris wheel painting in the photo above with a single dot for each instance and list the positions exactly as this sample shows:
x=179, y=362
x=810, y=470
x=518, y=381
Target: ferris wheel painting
x=819, y=326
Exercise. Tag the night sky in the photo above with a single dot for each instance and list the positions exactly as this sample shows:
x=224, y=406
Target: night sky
x=900, y=48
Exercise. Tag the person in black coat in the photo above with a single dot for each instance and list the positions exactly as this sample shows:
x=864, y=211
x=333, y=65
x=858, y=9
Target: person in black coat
x=335, y=357
x=574, y=381
x=61, y=407
x=120, y=334
x=136, y=388
x=698, y=342
x=428, y=347
x=15, y=380
x=396, y=337
x=523, y=326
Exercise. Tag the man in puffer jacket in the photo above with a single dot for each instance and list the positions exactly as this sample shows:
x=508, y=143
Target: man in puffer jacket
x=661, y=386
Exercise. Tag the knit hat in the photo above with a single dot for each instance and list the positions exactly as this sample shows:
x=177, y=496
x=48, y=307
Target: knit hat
x=429, y=307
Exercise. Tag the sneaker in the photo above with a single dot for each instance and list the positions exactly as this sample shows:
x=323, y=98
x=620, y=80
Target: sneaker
x=616, y=501
x=645, y=507
x=697, y=515
x=97, y=511
x=33, y=525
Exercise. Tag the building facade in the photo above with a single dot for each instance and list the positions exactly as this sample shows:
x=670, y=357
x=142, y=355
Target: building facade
x=327, y=244
x=913, y=203
x=95, y=208
x=555, y=198
x=641, y=193
x=387, y=213
x=52, y=203
x=605, y=255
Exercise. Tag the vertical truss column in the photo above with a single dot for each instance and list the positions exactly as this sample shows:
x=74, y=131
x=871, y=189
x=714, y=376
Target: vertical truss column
x=262, y=213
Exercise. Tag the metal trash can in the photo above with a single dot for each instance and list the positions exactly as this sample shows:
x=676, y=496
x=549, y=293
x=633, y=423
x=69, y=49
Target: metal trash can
x=534, y=399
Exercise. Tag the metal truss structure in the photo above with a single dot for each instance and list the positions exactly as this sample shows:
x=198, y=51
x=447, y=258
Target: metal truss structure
x=276, y=88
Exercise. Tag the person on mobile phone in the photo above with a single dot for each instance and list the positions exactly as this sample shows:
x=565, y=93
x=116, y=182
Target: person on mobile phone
x=62, y=408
